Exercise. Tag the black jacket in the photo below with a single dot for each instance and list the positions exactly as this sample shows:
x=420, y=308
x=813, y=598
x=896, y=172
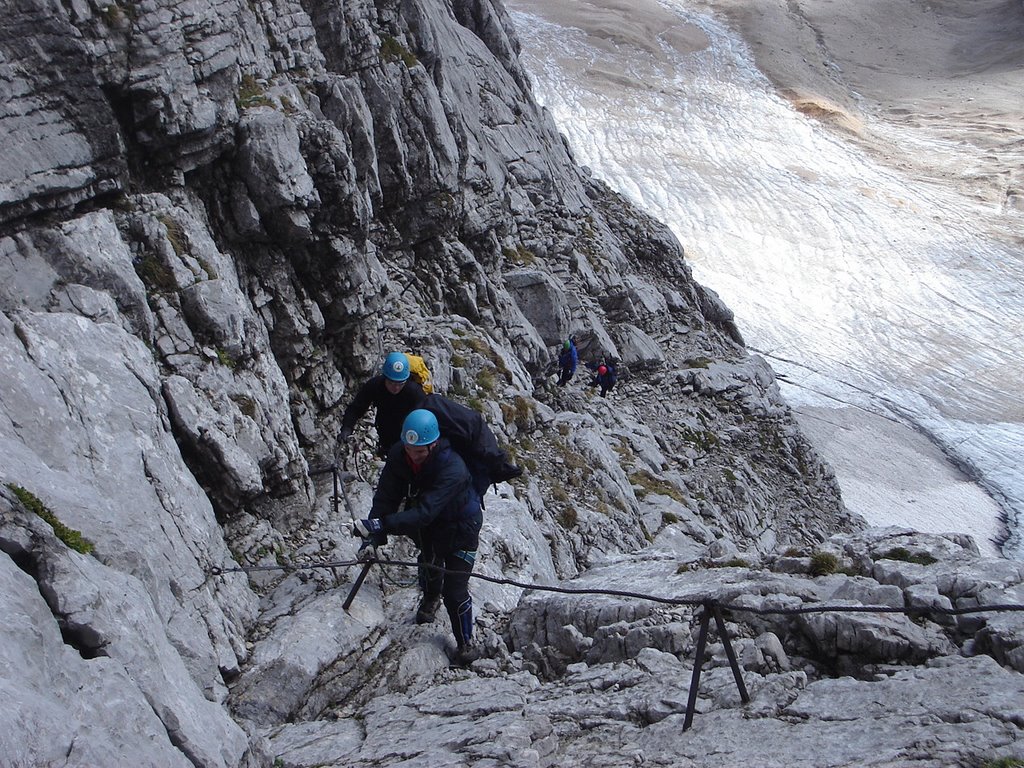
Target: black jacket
x=441, y=506
x=391, y=409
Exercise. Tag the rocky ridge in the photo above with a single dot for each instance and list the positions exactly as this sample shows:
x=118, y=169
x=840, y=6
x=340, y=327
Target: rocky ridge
x=213, y=222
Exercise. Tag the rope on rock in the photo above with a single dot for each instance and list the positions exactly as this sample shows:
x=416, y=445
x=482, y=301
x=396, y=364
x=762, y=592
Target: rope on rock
x=690, y=601
x=712, y=608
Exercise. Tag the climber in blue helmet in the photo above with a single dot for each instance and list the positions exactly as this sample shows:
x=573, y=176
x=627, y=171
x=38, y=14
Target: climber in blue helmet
x=393, y=394
x=442, y=514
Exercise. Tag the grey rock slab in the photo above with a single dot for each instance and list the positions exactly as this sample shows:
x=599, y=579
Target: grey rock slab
x=938, y=715
x=97, y=481
x=61, y=143
x=542, y=301
x=285, y=665
x=91, y=710
x=316, y=743
x=883, y=637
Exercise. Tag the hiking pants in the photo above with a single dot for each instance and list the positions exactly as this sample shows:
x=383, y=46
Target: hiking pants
x=453, y=586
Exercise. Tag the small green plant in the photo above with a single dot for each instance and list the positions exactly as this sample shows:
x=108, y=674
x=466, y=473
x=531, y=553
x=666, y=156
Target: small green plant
x=156, y=275
x=484, y=349
x=477, y=345
x=567, y=517
x=668, y=518
x=697, y=362
x=225, y=359
x=621, y=447
x=705, y=441
x=823, y=564
x=175, y=234
x=572, y=459
x=392, y=50
x=486, y=381
x=523, y=412
x=74, y=539
x=648, y=483
x=792, y=552
x=252, y=94
x=520, y=255
x=245, y=404
x=207, y=267
x=114, y=15
x=1004, y=762
x=458, y=361
x=905, y=555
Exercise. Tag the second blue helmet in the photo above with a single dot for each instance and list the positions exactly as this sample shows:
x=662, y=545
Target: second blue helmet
x=396, y=367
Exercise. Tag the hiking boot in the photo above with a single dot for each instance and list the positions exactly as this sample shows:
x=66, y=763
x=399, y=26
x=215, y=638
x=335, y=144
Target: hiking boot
x=465, y=655
x=428, y=608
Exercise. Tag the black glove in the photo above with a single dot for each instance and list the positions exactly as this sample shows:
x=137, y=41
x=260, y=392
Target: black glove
x=505, y=470
x=345, y=434
x=367, y=552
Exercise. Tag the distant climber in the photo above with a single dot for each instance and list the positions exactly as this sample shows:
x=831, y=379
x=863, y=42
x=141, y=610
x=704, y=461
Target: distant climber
x=442, y=514
x=394, y=396
x=567, y=360
x=605, y=376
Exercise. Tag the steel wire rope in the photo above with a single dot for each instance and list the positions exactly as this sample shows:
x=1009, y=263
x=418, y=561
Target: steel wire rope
x=691, y=601
x=350, y=451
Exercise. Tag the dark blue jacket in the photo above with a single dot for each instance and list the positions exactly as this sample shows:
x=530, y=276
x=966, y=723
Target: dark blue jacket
x=391, y=410
x=607, y=381
x=441, y=506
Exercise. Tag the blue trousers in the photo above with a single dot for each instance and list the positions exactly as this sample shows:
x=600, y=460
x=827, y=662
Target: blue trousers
x=453, y=587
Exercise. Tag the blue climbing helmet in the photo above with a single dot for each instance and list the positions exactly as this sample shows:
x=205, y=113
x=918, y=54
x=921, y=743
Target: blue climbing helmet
x=420, y=428
x=396, y=367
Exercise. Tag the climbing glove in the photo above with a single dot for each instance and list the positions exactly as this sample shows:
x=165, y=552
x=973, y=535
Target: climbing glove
x=367, y=552
x=371, y=528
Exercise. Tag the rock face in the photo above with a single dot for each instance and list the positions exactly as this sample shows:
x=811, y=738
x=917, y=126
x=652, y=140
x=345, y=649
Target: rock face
x=215, y=219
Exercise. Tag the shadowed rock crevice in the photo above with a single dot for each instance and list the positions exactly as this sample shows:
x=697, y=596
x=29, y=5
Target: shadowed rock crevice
x=30, y=556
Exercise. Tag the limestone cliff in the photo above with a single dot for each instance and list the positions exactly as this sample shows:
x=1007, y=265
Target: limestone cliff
x=215, y=218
